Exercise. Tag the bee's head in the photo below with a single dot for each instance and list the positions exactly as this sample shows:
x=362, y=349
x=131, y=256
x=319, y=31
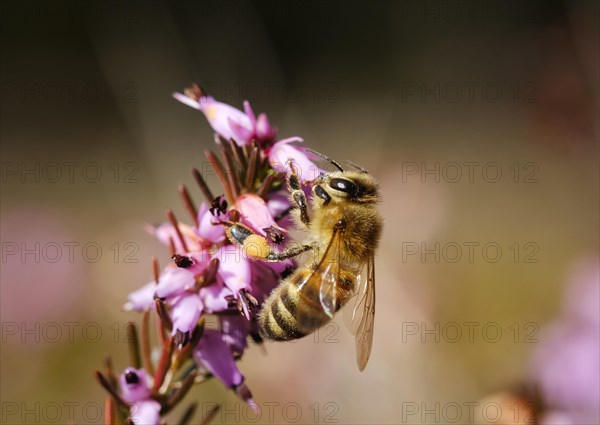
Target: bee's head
x=352, y=186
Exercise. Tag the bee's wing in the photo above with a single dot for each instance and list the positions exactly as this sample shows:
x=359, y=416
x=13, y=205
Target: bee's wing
x=327, y=272
x=362, y=316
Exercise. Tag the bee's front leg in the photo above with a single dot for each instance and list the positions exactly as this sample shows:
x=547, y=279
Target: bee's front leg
x=256, y=246
x=297, y=194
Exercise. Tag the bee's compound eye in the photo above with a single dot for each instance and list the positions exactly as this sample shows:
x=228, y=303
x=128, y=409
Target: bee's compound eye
x=343, y=185
x=131, y=377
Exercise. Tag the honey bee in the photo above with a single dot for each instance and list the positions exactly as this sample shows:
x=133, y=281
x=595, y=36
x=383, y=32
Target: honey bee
x=344, y=228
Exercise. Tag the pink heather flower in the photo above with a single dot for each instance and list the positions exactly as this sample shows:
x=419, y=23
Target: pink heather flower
x=229, y=122
x=235, y=331
x=194, y=262
x=216, y=355
x=283, y=151
x=214, y=298
x=135, y=385
x=264, y=131
x=278, y=203
x=165, y=232
x=234, y=268
x=146, y=412
x=255, y=213
x=266, y=276
x=208, y=229
x=185, y=313
x=213, y=353
x=135, y=389
x=141, y=299
x=173, y=282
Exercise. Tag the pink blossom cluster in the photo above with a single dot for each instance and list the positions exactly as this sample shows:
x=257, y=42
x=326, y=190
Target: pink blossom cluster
x=207, y=275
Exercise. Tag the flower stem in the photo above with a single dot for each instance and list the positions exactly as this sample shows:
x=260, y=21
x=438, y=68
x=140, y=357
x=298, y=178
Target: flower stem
x=146, y=353
x=109, y=411
x=221, y=174
x=108, y=387
x=134, y=345
x=163, y=365
x=175, y=224
x=202, y=184
x=189, y=204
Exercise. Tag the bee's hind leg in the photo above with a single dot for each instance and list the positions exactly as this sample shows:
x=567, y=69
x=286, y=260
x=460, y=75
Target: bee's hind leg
x=256, y=246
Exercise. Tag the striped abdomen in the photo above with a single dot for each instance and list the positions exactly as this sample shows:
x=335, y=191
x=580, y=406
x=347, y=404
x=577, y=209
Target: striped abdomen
x=294, y=310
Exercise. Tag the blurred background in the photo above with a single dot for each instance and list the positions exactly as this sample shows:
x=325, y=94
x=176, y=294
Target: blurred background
x=479, y=119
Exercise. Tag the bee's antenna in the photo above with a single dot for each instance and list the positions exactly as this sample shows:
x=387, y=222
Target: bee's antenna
x=326, y=158
x=354, y=165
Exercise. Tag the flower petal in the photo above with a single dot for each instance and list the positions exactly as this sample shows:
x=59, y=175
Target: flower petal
x=241, y=135
x=146, y=412
x=213, y=352
x=165, y=232
x=234, y=268
x=277, y=203
x=250, y=113
x=208, y=231
x=213, y=298
x=187, y=100
x=186, y=312
x=235, y=331
x=283, y=151
x=219, y=116
x=135, y=385
x=142, y=298
x=255, y=213
x=174, y=281
x=200, y=259
x=264, y=131
x=265, y=278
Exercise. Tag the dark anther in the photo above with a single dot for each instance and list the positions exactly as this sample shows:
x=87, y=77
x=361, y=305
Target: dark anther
x=274, y=234
x=218, y=206
x=243, y=391
x=194, y=92
x=182, y=261
x=131, y=377
x=231, y=301
x=181, y=338
x=253, y=301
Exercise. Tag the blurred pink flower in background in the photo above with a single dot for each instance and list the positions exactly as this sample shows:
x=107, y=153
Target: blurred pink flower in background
x=566, y=365
x=41, y=263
